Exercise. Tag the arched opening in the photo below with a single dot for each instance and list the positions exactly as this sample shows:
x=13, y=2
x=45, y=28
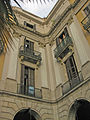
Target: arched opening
x=27, y=114
x=80, y=110
x=83, y=111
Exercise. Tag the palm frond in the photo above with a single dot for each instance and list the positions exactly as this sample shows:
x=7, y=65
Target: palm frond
x=7, y=19
x=17, y=1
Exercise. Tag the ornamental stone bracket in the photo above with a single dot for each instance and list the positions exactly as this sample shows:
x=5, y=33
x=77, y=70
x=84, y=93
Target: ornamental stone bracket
x=70, y=20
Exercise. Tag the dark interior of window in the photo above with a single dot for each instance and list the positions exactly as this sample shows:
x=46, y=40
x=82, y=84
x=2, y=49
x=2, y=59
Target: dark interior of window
x=28, y=25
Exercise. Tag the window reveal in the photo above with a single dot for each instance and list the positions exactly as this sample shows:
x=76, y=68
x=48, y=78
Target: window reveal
x=27, y=80
x=72, y=71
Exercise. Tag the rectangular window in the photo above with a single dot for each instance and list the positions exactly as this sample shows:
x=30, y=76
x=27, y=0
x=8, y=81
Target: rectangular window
x=30, y=25
x=28, y=46
x=27, y=80
x=61, y=37
x=72, y=71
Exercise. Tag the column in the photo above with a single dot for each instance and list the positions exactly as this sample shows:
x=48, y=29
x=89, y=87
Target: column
x=9, y=77
x=50, y=68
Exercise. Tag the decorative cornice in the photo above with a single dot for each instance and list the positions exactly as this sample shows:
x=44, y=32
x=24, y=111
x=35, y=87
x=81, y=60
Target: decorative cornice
x=22, y=12
x=69, y=8
x=62, y=16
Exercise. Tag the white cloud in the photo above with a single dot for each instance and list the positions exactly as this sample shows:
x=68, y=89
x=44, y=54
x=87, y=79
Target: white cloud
x=41, y=10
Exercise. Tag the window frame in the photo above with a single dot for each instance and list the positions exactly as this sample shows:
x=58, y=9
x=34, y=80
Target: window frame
x=30, y=26
x=25, y=82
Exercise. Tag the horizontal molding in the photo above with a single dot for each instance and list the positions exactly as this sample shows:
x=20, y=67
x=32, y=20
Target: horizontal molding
x=2, y=92
x=62, y=16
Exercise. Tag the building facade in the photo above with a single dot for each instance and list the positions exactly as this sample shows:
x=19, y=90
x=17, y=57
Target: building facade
x=47, y=75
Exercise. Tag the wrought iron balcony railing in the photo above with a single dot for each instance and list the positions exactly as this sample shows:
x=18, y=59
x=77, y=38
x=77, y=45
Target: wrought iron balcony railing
x=30, y=55
x=63, y=48
x=86, y=23
x=67, y=86
x=29, y=91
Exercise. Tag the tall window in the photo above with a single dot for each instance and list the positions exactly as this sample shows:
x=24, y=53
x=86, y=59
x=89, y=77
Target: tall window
x=29, y=46
x=27, y=80
x=72, y=71
x=61, y=37
x=30, y=25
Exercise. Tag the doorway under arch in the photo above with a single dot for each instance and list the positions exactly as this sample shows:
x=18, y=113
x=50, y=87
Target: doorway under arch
x=27, y=114
x=80, y=110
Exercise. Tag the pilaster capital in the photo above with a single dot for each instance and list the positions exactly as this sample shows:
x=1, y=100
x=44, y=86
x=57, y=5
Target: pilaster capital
x=70, y=20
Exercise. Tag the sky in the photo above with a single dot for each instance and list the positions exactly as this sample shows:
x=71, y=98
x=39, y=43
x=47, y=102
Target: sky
x=41, y=10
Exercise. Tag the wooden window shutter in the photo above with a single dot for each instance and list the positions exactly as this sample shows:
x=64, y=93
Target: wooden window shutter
x=22, y=73
x=57, y=41
x=32, y=77
x=66, y=32
x=22, y=79
x=32, y=46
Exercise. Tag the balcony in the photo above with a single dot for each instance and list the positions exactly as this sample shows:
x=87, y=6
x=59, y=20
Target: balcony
x=67, y=86
x=30, y=55
x=86, y=23
x=63, y=48
x=29, y=91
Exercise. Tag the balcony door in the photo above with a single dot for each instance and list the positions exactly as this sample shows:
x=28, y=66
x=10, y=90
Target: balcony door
x=72, y=71
x=29, y=46
x=60, y=39
x=27, y=80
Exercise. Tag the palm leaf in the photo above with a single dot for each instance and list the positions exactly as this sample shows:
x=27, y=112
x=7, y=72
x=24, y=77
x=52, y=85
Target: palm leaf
x=16, y=1
x=7, y=19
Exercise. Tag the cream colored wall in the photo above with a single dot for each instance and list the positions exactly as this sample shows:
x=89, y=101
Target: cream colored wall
x=9, y=75
x=80, y=41
x=58, y=68
x=41, y=26
x=56, y=16
x=12, y=69
x=52, y=71
x=50, y=68
x=43, y=69
x=49, y=76
x=21, y=20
